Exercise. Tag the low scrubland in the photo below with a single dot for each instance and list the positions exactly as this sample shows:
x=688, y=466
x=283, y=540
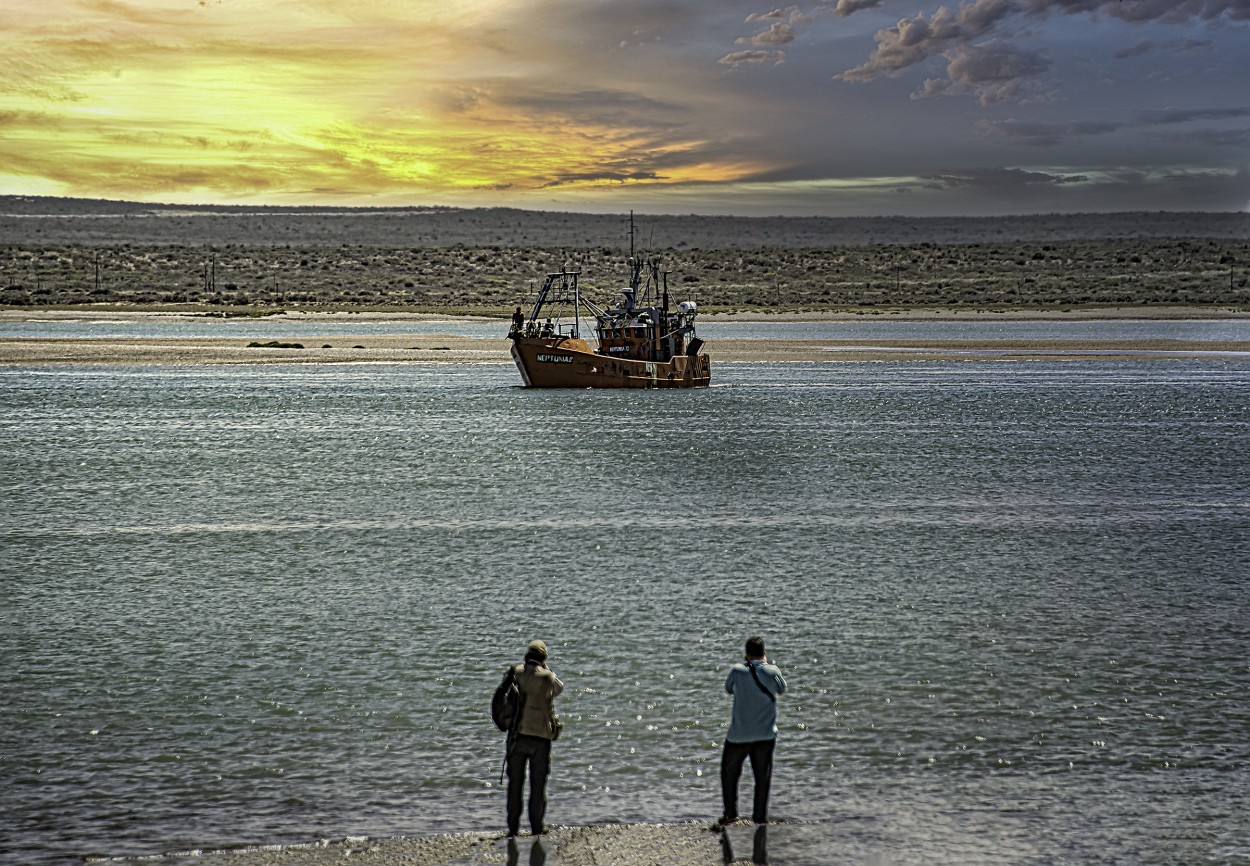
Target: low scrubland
x=487, y=261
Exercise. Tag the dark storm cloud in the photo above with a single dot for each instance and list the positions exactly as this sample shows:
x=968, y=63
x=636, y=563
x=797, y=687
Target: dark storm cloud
x=988, y=89
x=995, y=69
x=915, y=40
x=988, y=73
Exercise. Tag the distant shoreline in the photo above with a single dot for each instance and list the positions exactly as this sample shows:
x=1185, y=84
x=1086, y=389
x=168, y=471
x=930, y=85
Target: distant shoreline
x=312, y=346
x=56, y=220
x=1147, y=312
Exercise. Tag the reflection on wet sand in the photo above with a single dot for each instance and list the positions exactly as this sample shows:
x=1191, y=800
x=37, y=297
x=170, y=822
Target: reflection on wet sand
x=759, y=846
x=538, y=854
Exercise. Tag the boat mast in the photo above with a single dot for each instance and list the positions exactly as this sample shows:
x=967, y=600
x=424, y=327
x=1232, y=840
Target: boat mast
x=635, y=269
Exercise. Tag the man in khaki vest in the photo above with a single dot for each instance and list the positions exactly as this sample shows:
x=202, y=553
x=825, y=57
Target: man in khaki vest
x=534, y=733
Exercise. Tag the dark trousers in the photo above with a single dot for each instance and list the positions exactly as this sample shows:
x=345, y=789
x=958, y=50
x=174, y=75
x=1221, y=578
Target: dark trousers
x=534, y=752
x=735, y=755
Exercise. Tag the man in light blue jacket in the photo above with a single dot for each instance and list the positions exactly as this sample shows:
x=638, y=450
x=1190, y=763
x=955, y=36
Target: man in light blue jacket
x=755, y=685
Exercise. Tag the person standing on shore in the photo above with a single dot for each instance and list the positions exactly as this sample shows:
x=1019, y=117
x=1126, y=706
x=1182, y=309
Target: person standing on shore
x=535, y=731
x=754, y=685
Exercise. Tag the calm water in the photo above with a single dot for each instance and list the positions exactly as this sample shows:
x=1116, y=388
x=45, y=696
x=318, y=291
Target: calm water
x=250, y=605
x=867, y=327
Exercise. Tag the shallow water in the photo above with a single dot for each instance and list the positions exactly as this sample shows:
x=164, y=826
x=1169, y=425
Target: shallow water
x=867, y=327
x=259, y=605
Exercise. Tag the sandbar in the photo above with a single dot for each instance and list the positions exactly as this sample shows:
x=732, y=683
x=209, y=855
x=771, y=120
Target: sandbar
x=322, y=347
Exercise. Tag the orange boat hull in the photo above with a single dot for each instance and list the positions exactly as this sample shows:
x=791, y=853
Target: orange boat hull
x=567, y=362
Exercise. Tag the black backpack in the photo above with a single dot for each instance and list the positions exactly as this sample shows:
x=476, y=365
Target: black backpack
x=506, y=702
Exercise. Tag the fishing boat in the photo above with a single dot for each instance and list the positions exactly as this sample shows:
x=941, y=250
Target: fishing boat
x=640, y=342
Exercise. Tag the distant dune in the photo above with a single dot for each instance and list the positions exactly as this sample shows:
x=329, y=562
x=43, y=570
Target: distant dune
x=74, y=251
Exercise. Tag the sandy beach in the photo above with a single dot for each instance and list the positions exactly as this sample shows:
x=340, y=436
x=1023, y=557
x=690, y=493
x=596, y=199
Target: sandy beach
x=314, y=347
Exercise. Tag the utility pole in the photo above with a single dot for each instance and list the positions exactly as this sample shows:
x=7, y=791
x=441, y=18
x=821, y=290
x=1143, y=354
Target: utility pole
x=210, y=274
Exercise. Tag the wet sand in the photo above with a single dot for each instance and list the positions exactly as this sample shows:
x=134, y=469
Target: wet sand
x=601, y=845
x=319, y=347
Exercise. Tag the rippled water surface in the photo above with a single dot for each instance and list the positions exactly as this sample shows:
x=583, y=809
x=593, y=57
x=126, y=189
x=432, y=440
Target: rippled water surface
x=866, y=327
x=260, y=604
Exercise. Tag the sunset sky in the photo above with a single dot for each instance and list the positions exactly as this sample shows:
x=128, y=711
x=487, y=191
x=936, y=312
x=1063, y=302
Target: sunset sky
x=852, y=107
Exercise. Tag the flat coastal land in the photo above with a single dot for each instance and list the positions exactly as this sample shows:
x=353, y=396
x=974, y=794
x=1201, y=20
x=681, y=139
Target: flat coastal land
x=58, y=252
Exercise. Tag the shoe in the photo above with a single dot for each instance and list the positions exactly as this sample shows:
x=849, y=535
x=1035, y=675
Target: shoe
x=721, y=823
x=539, y=831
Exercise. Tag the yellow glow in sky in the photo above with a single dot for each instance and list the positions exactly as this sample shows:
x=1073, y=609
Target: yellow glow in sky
x=230, y=100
